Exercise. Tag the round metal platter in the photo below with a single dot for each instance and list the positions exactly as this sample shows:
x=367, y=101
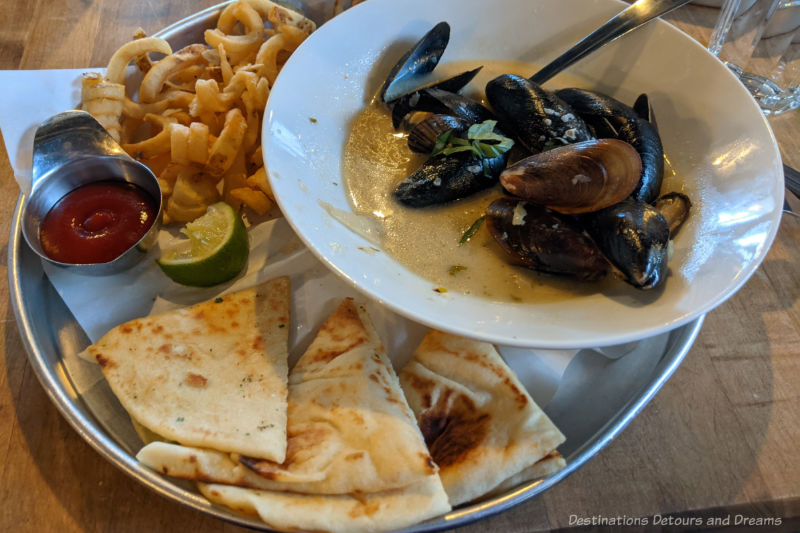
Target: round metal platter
x=599, y=402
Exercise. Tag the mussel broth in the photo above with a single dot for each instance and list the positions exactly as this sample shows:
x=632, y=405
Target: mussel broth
x=426, y=240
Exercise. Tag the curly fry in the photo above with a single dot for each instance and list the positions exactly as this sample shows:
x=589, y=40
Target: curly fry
x=249, y=17
x=227, y=145
x=239, y=48
x=287, y=39
x=159, y=73
x=115, y=72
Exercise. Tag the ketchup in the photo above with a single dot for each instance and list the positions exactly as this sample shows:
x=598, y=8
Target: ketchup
x=96, y=223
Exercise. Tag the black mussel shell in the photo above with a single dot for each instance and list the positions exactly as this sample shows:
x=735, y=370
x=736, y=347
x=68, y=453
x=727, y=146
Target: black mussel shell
x=592, y=103
x=453, y=84
x=609, y=117
x=436, y=100
x=540, y=239
x=421, y=59
x=444, y=178
x=423, y=136
x=674, y=207
x=402, y=106
x=644, y=137
x=634, y=236
x=537, y=118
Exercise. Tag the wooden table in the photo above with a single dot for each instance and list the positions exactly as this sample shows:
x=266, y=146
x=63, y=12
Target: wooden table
x=721, y=439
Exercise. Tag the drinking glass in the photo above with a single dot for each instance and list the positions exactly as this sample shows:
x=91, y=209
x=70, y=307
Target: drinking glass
x=760, y=42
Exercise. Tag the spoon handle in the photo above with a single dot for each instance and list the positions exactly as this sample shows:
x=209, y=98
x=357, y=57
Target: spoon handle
x=628, y=19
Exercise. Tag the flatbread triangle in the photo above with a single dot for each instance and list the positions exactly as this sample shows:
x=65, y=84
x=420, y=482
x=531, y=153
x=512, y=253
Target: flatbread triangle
x=212, y=375
x=480, y=424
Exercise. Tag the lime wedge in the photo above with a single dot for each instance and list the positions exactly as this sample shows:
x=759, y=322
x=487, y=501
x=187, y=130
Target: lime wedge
x=215, y=252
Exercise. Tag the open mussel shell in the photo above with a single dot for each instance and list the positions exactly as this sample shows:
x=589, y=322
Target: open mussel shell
x=609, y=117
x=423, y=136
x=421, y=59
x=674, y=207
x=538, y=238
x=577, y=178
x=455, y=83
x=634, y=236
x=537, y=118
x=435, y=100
x=409, y=102
x=444, y=178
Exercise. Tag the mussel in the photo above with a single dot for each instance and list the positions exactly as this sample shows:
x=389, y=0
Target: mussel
x=538, y=238
x=577, y=178
x=535, y=117
x=444, y=178
x=593, y=104
x=402, y=91
x=452, y=172
x=609, y=117
x=419, y=60
x=436, y=100
x=634, y=236
x=409, y=102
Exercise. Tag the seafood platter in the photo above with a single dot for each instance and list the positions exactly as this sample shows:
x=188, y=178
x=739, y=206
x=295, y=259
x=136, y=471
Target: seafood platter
x=423, y=243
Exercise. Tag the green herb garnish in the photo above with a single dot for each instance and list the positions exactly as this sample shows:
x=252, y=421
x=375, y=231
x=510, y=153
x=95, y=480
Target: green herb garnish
x=481, y=140
x=471, y=230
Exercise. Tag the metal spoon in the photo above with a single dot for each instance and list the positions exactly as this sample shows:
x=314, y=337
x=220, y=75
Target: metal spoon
x=630, y=18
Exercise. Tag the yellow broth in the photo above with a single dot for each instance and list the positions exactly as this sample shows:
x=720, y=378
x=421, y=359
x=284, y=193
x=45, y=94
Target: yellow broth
x=427, y=240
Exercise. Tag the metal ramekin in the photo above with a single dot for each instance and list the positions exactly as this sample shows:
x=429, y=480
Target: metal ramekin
x=70, y=150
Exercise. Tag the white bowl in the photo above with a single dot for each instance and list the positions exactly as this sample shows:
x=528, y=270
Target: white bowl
x=714, y=135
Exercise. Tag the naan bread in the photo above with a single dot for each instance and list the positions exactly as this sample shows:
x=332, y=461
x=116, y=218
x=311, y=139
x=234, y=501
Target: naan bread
x=350, y=428
x=213, y=375
x=380, y=511
x=479, y=422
